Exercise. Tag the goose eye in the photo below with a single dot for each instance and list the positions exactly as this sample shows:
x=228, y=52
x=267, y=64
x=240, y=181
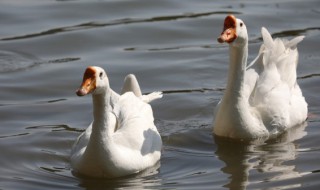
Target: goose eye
x=241, y=24
x=101, y=75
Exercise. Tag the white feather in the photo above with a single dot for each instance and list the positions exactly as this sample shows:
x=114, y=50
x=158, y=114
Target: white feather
x=263, y=99
x=122, y=139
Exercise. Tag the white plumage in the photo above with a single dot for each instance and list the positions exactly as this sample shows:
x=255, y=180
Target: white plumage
x=263, y=99
x=122, y=138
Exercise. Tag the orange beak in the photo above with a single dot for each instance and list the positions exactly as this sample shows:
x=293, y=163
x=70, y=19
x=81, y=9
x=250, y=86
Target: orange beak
x=88, y=83
x=229, y=30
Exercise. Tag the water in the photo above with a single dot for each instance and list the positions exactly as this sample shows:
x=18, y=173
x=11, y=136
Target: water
x=170, y=45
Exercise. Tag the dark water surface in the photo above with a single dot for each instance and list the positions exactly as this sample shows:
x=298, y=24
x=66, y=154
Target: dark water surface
x=170, y=45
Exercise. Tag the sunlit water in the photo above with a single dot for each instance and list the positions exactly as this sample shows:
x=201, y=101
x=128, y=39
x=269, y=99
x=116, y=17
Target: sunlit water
x=171, y=46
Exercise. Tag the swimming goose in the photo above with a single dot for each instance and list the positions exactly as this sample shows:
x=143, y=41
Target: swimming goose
x=263, y=99
x=122, y=139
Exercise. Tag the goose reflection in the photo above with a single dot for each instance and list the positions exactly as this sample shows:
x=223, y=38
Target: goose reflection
x=250, y=163
x=142, y=180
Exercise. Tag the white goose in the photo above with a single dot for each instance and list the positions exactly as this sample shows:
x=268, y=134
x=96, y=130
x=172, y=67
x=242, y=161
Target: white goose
x=263, y=99
x=122, y=138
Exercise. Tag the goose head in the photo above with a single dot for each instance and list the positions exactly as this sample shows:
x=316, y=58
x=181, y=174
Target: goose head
x=94, y=81
x=234, y=31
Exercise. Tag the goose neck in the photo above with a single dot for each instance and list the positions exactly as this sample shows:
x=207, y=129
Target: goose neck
x=101, y=109
x=237, y=65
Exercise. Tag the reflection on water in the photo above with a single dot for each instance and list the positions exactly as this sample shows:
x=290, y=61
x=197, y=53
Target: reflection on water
x=246, y=161
x=139, y=181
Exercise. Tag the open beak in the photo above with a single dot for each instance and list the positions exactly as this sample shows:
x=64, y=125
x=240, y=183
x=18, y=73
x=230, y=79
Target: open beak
x=229, y=30
x=88, y=83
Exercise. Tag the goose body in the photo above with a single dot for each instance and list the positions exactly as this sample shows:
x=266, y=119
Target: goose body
x=122, y=139
x=263, y=99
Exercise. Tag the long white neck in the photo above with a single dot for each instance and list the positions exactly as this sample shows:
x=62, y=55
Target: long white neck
x=238, y=61
x=101, y=126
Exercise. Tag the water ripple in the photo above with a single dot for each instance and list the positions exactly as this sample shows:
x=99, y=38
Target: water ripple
x=90, y=25
x=17, y=61
x=14, y=135
x=61, y=127
x=286, y=33
x=296, y=32
x=309, y=76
